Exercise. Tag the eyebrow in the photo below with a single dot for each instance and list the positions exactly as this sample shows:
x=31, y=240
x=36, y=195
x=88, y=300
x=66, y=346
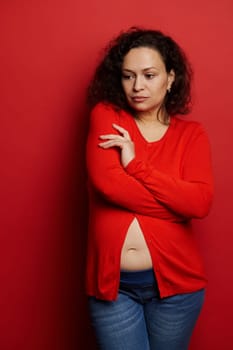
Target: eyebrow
x=144, y=70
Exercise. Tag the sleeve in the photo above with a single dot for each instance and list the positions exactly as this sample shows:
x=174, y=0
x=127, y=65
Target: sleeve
x=189, y=196
x=108, y=177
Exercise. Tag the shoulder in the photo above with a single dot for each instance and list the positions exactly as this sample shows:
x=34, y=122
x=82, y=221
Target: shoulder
x=107, y=113
x=188, y=127
x=189, y=131
x=104, y=108
x=103, y=112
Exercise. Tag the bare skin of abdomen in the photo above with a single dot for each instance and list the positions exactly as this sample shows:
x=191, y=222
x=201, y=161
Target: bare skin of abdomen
x=135, y=254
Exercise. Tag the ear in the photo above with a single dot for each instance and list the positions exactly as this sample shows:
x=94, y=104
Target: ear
x=170, y=79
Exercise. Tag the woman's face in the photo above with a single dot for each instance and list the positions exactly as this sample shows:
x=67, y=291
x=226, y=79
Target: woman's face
x=145, y=80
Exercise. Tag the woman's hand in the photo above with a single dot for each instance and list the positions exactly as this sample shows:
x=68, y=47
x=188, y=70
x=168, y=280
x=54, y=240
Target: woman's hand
x=123, y=141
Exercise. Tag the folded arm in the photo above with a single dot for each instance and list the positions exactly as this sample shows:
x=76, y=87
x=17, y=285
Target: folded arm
x=189, y=196
x=108, y=176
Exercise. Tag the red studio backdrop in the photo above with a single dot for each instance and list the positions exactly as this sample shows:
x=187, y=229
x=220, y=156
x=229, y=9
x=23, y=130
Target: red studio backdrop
x=48, y=53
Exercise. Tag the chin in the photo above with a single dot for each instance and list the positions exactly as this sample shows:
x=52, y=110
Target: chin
x=141, y=108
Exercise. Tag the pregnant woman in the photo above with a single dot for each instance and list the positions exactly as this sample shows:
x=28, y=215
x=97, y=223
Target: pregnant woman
x=149, y=175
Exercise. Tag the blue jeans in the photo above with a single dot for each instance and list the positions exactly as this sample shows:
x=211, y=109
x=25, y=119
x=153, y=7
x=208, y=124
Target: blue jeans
x=140, y=320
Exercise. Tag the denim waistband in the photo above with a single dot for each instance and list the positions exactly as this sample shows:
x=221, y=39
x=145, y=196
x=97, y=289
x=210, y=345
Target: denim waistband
x=138, y=278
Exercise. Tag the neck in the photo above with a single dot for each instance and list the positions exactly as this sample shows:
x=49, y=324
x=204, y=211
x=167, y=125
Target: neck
x=158, y=117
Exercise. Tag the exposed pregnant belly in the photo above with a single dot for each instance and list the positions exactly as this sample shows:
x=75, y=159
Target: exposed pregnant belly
x=135, y=254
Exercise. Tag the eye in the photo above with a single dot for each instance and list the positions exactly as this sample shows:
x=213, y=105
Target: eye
x=149, y=75
x=127, y=76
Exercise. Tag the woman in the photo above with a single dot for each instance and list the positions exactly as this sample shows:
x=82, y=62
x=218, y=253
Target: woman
x=149, y=175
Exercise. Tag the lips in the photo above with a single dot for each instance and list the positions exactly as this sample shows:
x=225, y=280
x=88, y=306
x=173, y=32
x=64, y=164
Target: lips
x=139, y=98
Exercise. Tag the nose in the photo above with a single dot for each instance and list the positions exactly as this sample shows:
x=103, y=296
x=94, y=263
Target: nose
x=138, y=84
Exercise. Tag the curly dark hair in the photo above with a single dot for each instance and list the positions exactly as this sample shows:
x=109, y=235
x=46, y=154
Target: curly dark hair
x=106, y=84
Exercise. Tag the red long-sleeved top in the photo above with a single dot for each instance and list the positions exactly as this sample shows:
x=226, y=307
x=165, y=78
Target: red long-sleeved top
x=168, y=183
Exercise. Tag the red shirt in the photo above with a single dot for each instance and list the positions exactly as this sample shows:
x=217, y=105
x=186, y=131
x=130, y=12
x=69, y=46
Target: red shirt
x=168, y=183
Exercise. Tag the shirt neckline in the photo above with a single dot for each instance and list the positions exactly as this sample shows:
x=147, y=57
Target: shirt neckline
x=163, y=137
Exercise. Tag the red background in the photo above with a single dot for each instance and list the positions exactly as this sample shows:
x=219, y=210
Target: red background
x=48, y=52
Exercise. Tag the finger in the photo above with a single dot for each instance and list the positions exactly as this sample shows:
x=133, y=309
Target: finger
x=111, y=143
x=123, y=131
x=111, y=137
